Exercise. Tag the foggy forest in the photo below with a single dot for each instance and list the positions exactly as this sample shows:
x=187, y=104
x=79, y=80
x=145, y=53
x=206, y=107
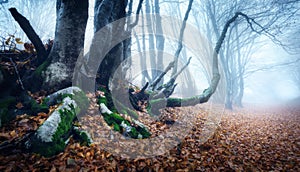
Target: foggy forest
x=150, y=85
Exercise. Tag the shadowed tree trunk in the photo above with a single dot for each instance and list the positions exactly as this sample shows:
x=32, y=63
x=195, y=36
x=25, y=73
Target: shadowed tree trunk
x=107, y=12
x=71, y=23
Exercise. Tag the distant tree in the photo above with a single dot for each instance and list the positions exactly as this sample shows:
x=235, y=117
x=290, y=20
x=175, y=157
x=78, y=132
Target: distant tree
x=3, y=1
x=270, y=21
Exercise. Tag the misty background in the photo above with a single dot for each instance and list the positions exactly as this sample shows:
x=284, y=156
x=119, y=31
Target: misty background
x=273, y=70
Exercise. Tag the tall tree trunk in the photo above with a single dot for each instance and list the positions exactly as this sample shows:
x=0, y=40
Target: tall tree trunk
x=160, y=41
x=152, y=53
x=228, y=102
x=143, y=58
x=71, y=23
x=109, y=11
x=240, y=71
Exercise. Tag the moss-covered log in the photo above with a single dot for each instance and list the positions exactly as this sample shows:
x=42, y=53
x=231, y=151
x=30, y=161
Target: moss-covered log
x=52, y=136
x=157, y=104
x=135, y=130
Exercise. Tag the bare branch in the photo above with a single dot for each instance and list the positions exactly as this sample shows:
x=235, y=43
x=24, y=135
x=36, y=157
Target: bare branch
x=17, y=73
x=168, y=88
x=31, y=34
x=137, y=15
x=176, y=56
x=269, y=67
x=158, y=79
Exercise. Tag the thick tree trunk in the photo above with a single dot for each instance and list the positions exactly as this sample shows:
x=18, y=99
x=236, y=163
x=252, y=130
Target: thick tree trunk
x=69, y=41
x=228, y=101
x=106, y=12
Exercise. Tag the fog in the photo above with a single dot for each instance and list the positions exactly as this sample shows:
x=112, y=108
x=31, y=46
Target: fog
x=274, y=85
x=269, y=86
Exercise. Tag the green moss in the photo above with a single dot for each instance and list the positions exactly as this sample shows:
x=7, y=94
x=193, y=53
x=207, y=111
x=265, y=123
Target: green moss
x=42, y=67
x=133, y=133
x=36, y=108
x=117, y=127
x=82, y=136
x=174, y=102
x=45, y=101
x=102, y=100
x=67, y=116
x=145, y=133
x=58, y=139
x=116, y=120
x=79, y=97
x=110, y=119
x=85, y=139
x=48, y=149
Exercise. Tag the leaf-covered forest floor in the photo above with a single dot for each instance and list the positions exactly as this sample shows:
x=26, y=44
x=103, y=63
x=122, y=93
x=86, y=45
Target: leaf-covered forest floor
x=246, y=139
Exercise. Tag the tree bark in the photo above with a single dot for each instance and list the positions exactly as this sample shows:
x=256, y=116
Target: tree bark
x=69, y=41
